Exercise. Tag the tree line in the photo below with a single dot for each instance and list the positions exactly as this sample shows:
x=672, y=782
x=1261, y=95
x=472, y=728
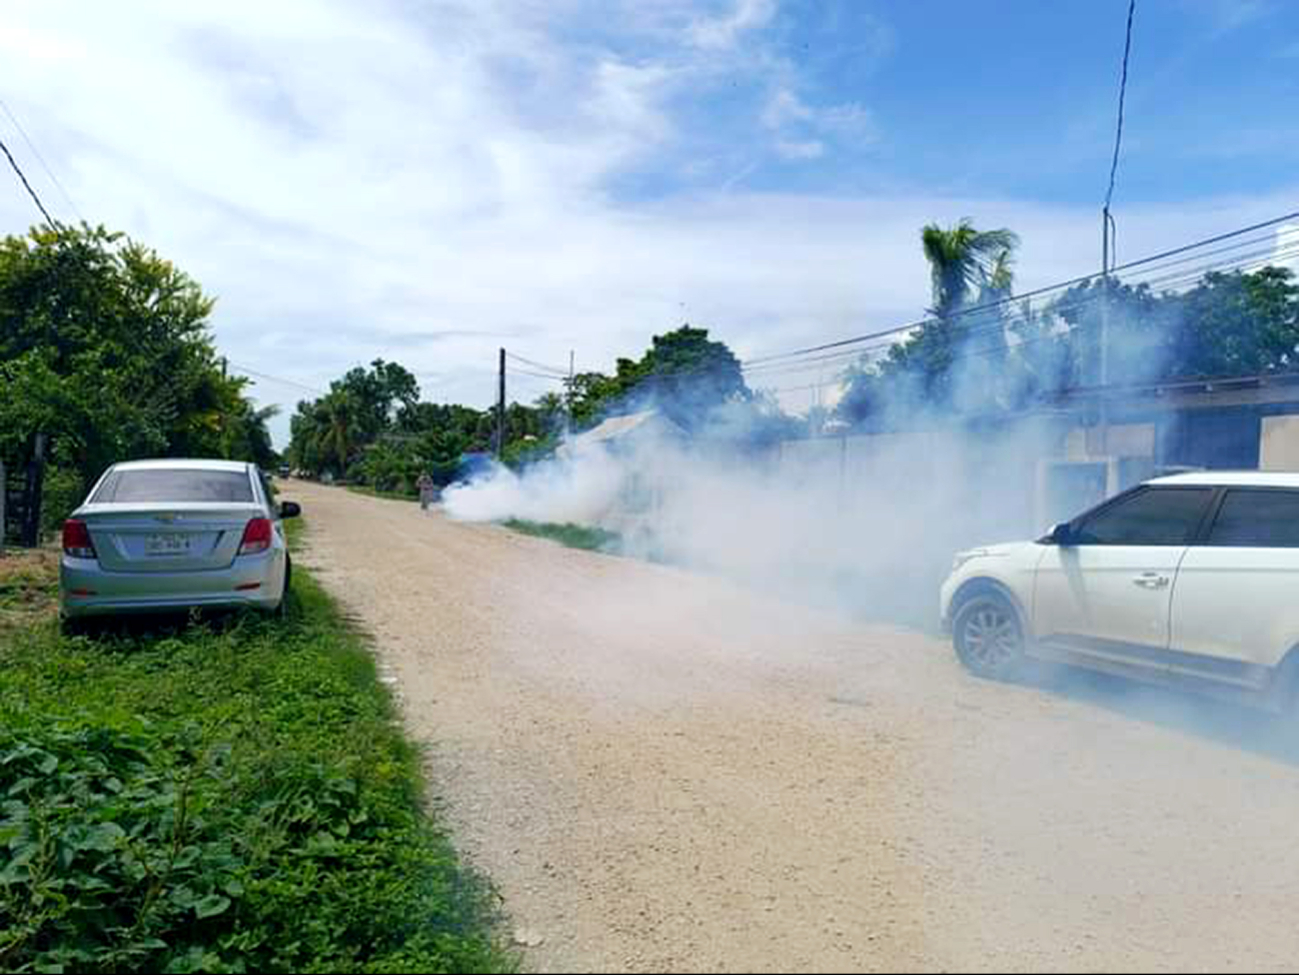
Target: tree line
x=106, y=350
x=980, y=353
x=371, y=427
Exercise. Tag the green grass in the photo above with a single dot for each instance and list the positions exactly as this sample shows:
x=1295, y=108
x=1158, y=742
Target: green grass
x=224, y=798
x=574, y=536
x=376, y=493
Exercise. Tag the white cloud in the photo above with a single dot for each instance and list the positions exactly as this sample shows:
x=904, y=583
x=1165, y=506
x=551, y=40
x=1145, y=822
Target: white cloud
x=810, y=149
x=713, y=33
x=427, y=186
x=784, y=108
x=801, y=128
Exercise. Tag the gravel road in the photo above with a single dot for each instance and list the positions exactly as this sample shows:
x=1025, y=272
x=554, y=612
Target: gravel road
x=661, y=771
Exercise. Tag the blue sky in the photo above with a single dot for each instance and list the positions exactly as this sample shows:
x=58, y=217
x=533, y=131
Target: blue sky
x=426, y=180
x=1015, y=98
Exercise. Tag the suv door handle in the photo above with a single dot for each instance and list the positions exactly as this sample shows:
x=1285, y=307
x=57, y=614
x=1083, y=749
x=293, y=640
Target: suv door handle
x=1150, y=580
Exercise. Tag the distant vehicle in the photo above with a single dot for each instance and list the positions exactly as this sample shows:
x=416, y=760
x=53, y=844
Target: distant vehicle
x=1189, y=579
x=285, y=471
x=163, y=535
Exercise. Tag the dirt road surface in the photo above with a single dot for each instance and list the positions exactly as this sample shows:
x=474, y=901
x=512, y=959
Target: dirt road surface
x=661, y=771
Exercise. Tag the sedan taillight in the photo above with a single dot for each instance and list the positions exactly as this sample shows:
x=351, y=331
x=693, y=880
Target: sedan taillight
x=257, y=537
x=76, y=540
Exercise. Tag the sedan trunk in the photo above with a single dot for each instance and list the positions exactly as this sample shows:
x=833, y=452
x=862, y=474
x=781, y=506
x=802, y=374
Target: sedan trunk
x=167, y=538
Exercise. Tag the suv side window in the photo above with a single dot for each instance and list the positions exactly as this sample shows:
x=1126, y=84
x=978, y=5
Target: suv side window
x=1151, y=516
x=1257, y=519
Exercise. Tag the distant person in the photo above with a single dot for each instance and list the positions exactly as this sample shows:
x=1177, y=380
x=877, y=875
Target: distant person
x=427, y=491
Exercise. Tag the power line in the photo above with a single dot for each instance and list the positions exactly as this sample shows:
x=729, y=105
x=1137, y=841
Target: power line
x=996, y=330
x=39, y=205
x=1012, y=299
x=278, y=379
x=41, y=159
x=514, y=370
x=858, y=346
x=1123, y=90
x=999, y=344
x=537, y=365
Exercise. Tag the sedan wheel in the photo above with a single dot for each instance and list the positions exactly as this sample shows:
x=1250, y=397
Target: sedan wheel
x=988, y=636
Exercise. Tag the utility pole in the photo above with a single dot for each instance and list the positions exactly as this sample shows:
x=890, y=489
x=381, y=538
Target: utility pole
x=568, y=405
x=1107, y=237
x=1105, y=332
x=500, y=410
x=31, y=532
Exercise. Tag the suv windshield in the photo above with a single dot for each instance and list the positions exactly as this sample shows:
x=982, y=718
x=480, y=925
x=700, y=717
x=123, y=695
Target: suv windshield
x=170, y=486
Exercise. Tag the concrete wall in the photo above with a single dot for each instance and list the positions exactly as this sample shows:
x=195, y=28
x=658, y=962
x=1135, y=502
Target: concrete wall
x=991, y=475
x=1280, y=447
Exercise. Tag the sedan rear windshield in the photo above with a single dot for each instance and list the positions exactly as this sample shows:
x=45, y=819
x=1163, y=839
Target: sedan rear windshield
x=172, y=486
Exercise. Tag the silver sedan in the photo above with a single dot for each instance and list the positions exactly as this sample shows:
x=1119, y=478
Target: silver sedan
x=160, y=535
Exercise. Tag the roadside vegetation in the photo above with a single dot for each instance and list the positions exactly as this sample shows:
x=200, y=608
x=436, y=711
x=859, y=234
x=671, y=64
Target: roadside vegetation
x=574, y=536
x=979, y=355
x=372, y=429
x=226, y=796
x=106, y=351
x=393, y=495
x=28, y=587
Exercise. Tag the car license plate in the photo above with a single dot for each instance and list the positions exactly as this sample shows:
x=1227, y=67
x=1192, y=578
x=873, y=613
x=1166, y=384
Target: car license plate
x=166, y=545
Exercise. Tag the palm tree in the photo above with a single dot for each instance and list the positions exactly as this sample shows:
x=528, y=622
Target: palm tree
x=962, y=259
x=337, y=436
x=247, y=436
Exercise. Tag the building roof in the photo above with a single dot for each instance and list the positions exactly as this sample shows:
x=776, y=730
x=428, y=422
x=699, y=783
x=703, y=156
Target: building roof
x=618, y=427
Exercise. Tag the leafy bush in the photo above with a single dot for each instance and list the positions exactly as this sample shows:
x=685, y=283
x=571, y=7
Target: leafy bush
x=225, y=800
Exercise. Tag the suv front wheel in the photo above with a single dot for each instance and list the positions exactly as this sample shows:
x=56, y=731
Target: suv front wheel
x=988, y=636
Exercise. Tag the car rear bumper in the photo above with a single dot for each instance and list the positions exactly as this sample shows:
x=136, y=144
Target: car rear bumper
x=87, y=589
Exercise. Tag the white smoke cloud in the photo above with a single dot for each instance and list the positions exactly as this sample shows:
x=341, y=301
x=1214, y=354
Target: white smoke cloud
x=582, y=489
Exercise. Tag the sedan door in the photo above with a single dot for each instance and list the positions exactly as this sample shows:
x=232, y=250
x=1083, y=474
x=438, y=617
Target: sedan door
x=1236, y=602
x=1109, y=593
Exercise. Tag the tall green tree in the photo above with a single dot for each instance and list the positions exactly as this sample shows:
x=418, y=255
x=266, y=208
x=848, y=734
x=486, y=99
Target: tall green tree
x=684, y=373
x=105, y=348
x=1234, y=324
x=956, y=359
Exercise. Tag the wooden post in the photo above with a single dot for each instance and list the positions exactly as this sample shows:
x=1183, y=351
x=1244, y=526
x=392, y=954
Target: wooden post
x=32, y=502
x=500, y=410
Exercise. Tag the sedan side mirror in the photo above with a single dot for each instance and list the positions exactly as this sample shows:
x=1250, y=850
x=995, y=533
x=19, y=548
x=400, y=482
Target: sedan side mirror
x=1063, y=535
x=290, y=509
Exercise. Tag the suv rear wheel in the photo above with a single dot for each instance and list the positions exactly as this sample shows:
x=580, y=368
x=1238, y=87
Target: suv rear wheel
x=988, y=636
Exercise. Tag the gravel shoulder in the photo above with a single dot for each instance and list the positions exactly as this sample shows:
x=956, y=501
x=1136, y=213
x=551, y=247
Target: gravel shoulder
x=662, y=771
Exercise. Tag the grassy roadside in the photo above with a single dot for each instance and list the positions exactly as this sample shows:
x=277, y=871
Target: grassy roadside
x=574, y=536
x=376, y=493
x=28, y=587
x=223, y=798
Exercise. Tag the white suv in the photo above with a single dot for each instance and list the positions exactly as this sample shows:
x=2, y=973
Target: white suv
x=1192, y=578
